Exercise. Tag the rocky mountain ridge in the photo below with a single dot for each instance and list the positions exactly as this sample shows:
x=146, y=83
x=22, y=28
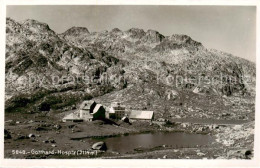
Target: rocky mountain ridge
x=35, y=55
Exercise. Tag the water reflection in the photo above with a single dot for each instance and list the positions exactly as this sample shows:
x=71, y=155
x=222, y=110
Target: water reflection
x=128, y=143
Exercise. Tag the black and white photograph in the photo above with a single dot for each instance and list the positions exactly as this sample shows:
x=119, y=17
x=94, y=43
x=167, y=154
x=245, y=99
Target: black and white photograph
x=154, y=82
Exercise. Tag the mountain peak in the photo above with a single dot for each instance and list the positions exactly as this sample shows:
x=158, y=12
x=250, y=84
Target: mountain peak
x=153, y=36
x=136, y=33
x=8, y=19
x=36, y=24
x=12, y=25
x=183, y=39
x=75, y=31
x=180, y=38
x=116, y=30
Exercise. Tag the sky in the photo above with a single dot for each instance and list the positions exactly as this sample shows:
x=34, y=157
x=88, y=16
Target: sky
x=227, y=28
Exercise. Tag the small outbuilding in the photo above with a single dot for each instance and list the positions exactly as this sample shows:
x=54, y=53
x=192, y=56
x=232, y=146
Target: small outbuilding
x=72, y=118
x=141, y=115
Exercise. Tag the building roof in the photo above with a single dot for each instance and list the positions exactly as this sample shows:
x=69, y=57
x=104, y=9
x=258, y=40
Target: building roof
x=85, y=105
x=118, y=108
x=97, y=107
x=117, y=104
x=71, y=116
x=138, y=114
x=111, y=111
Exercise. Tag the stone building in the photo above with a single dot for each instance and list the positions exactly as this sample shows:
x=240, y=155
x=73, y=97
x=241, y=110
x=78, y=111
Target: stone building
x=116, y=111
x=90, y=110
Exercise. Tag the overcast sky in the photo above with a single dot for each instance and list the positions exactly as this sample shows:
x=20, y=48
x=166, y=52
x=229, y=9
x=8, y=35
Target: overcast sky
x=226, y=28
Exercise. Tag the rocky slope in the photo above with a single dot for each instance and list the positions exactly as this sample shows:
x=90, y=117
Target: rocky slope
x=42, y=66
x=239, y=140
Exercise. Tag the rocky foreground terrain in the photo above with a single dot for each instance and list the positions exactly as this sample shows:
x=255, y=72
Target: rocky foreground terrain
x=48, y=74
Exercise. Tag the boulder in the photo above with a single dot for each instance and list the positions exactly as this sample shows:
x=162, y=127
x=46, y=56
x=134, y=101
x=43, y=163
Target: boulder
x=45, y=141
x=177, y=116
x=240, y=154
x=200, y=154
x=248, y=154
x=31, y=135
x=31, y=121
x=161, y=120
x=235, y=154
x=99, y=146
x=125, y=119
x=9, y=121
x=237, y=127
x=57, y=126
x=52, y=141
x=39, y=128
x=7, y=134
x=171, y=94
x=20, y=137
